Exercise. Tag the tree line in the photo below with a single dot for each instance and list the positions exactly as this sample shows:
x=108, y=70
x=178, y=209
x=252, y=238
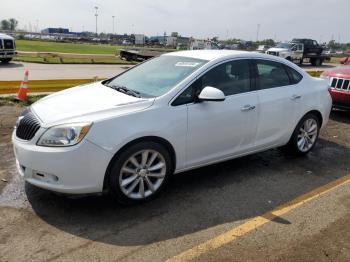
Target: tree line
x=9, y=24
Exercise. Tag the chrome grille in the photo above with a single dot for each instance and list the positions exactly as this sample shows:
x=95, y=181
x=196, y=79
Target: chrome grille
x=342, y=84
x=8, y=44
x=27, y=127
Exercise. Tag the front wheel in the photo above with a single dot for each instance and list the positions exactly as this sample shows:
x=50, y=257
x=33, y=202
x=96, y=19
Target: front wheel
x=140, y=172
x=304, y=136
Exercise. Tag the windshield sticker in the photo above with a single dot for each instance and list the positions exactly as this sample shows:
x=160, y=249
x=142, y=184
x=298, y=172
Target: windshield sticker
x=187, y=64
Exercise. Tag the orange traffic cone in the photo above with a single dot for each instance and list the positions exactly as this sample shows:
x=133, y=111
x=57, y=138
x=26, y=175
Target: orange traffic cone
x=22, y=92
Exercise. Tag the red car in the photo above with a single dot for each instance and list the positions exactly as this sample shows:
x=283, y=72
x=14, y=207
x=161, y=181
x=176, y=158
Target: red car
x=339, y=79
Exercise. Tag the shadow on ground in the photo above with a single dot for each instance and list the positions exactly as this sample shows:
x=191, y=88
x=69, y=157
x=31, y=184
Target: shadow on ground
x=341, y=116
x=196, y=200
x=324, y=66
x=11, y=65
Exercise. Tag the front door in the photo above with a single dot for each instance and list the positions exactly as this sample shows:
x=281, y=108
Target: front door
x=217, y=130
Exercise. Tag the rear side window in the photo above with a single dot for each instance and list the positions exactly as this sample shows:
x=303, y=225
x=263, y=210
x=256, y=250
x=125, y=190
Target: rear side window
x=271, y=74
x=295, y=77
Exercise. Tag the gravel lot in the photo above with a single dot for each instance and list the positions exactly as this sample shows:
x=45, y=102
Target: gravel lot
x=36, y=225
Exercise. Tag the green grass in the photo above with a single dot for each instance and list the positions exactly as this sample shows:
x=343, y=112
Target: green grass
x=79, y=48
x=74, y=48
x=54, y=60
x=11, y=100
x=335, y=60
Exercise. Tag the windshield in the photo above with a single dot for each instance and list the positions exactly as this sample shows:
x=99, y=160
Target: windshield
x=157, y=76
x=284, y=45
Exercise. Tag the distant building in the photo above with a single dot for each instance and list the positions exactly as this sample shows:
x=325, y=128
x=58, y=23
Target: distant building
x=183, y=42
x=52, y=30
x=139, y=39
x=158, y=39
x=171, y=41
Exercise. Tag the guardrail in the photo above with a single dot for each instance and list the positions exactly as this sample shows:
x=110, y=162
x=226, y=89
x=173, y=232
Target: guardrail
x=37, y=86
x=61, y=56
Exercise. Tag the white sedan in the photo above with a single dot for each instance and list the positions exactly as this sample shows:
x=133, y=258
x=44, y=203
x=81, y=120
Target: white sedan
x=182, y=110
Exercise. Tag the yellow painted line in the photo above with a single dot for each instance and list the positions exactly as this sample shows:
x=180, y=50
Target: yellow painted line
x=34, y=86
x=257, y=222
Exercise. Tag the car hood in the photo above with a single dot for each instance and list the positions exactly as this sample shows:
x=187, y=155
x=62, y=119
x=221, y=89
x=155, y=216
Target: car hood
x=86, y=103
x=339, y=71
x=276, y=49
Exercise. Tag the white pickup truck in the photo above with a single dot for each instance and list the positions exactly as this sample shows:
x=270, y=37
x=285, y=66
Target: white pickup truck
x=295, y=52
x=7, y=48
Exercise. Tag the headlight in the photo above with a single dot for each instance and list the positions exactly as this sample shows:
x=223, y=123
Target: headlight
x=64, y=135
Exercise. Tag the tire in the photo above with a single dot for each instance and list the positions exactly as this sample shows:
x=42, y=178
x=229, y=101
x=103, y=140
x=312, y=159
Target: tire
x=6, y=60
x=295, y=146
x=312, y=61
x=130, y=168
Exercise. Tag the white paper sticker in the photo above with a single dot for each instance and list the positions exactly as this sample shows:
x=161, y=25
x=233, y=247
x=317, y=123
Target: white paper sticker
x=187, y=64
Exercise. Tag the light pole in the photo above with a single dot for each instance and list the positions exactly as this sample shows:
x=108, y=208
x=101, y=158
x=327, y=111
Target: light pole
x=257, y=32
x=37, y=26
x=96, y=15
x=113, y=23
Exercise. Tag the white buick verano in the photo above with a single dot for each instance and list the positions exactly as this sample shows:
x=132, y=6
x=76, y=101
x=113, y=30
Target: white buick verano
x=182, y=110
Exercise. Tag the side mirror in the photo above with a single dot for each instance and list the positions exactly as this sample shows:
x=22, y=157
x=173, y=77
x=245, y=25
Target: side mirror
x=211, y=94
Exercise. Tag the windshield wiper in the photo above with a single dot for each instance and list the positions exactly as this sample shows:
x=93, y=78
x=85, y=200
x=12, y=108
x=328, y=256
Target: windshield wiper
x=125, y=90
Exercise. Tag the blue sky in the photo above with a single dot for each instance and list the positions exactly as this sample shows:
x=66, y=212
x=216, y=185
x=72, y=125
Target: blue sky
x=281, y=19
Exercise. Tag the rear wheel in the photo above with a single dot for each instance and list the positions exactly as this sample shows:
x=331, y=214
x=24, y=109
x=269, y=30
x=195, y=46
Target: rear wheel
x=304, y=136
x=316, y=61
x=140, y=172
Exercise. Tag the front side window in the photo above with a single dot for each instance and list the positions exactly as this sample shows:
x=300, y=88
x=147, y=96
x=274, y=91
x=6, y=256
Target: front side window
x=157, y=76
x=271, y=74
x=231, y=78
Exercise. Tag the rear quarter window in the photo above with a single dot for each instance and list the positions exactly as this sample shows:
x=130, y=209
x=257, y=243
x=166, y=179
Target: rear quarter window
x=295, y=76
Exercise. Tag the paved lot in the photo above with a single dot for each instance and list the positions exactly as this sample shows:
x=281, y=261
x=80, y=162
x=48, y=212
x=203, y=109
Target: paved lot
x=15, y=71
x=215, y=203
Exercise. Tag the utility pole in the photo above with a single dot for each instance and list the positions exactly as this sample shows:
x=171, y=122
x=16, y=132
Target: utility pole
x=96, y=15
x=257, y=32
x=37, y=25
x=113, y=24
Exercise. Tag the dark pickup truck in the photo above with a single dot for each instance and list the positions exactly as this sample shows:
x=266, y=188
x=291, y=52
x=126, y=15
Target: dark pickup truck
x=311, y=47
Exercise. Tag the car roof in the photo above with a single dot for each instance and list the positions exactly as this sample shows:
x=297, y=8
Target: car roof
x=213, y=54
x=3, y=36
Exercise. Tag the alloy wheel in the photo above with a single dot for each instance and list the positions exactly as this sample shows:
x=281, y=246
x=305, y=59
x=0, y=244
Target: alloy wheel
x=307, y=135
x=142, y=174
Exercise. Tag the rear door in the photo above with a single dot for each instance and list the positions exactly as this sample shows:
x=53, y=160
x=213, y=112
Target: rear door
x=276, y=103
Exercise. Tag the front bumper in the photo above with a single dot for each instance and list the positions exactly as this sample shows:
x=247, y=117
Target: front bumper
x=78, y=169
x=340, y=98
x=7, y=54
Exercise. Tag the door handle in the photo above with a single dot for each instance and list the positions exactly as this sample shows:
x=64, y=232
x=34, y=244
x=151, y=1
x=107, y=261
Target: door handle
x=293, y=97
x=247, y=108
